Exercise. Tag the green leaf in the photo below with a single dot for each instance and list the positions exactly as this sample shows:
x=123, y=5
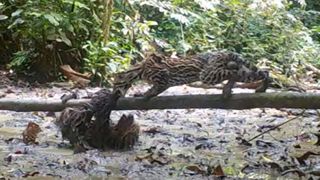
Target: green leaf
x=17, y=21
x=151, y=23
x=16, y=13
x=70, y=28
x=52, y=37
x=3, y=17
x=65, y=39
x=77, y=4
x=112, y=67
x=51, y=19
x=81, y=5
x=181, y=18
x=36, y=14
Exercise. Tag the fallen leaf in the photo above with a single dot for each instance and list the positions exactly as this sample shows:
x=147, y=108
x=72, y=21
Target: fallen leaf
x=31, y=174
x=30, y=133
x=143, y=156
x=218, y=171
x=152, y=130
x=8, y=158
x=264, y=144
x=242, y=141
x=195, y=169
x=305, y=156
x=297, y=171
x=318, y=136
x=315, y=173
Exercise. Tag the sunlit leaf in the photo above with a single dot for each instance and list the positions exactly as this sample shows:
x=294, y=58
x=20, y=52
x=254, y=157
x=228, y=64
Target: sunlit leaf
x=16, y=13
x=151, y=23
x=181, y=18
x=3, y=17
x=113, y=44
x=52, y=36
x=112, y=67
x=65, y=39
x=36, y=14
x=17, y=21
x=77, y=4
x=207, y=4
x=51, y=19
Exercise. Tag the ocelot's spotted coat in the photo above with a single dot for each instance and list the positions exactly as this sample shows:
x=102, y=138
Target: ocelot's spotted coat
x=210, y=68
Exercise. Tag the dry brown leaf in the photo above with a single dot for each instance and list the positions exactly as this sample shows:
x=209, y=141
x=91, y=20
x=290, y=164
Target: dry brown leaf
x=68, y=69
x=80, y=79
x=195, y=169
x=30, y=133
x=218, y=171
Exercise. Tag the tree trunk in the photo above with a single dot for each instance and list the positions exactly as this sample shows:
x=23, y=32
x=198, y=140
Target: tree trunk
x=237, y=101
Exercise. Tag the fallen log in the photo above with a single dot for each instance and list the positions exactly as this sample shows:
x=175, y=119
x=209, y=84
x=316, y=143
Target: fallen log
x=237, y=101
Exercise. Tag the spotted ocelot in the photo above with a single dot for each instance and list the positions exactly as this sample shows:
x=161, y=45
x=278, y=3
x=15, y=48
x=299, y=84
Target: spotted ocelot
x=210, y=68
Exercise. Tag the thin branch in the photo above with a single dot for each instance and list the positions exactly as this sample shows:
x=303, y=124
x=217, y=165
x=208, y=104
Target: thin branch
x=277, y=126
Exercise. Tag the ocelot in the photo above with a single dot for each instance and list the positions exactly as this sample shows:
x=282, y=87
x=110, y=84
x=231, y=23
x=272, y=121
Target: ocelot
x=210, y=68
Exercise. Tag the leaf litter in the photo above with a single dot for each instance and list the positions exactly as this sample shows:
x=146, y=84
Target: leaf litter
x=173, y=144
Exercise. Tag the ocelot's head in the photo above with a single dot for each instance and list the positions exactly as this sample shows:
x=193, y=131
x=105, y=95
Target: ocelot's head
x=123, y=80
x=246, y=71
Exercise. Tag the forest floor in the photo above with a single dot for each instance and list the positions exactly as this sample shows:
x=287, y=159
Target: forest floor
x=173, y=144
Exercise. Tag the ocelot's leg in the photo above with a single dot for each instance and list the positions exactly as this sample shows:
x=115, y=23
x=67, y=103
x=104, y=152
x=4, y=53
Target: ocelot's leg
x=265, y=82
x=227, y=89
x=153, y=91
x=215, y=75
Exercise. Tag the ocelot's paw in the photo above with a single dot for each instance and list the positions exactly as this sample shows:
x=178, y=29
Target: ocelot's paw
x=145, y=97
x=265, y=83
x=138, y=95
x=227, y=95
x=263, y=87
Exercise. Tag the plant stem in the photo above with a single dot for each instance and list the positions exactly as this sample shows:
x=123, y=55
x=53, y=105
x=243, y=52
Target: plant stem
x=106, y=21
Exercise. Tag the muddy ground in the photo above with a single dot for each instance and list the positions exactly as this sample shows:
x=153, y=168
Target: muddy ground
x=173, y=144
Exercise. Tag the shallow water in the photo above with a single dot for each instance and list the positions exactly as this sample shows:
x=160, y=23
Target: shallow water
x=186, y=144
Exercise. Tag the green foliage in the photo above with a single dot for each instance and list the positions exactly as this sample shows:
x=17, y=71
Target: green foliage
x=280, y=34
x=127, y=36
x=21, y=61
x=47, y=31
x=266, y=31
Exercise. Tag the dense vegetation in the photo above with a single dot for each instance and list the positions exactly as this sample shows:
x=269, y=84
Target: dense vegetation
x=104, y=36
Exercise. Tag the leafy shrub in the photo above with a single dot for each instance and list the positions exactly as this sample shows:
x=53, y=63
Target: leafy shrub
x=40, y=35
x=259, y=30
x=51, y=32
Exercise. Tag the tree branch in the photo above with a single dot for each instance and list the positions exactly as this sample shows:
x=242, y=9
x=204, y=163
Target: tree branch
x=237, y=101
